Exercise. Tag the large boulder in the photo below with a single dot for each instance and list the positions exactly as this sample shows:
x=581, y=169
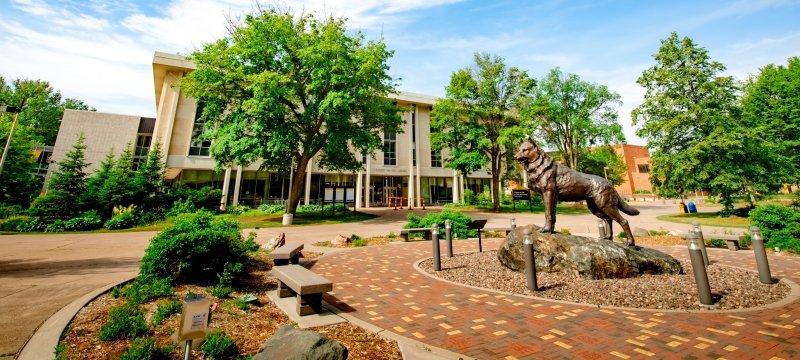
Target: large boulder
x=586, y=257
x=289, y=343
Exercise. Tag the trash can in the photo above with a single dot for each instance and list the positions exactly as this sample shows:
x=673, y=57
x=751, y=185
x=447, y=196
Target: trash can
x=682, y=207
x=692, y=208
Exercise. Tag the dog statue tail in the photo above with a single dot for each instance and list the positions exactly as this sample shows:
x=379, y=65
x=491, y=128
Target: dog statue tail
x=624, y=207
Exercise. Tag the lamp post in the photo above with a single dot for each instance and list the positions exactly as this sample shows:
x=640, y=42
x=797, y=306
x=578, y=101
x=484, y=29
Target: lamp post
x=15, y=111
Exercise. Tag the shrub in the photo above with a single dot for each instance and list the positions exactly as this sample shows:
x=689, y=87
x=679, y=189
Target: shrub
x=536, y=199
x=164, y=310
x=359, y=242
x=221, y=291
x=146, y=288
x=89, y=220
x=14, y=224
x=460, y=221
x=181, y=207
x=236, y=209
x=60, y=352
x=469, y=197
x=391, y=235
x=146, y=349
x=274, y=209
x=126, y=321
x=780, y=226
x=55, y=226
x=7, y=211
x=715, y=242
x=218, y=345
x=123, y=220
x=197, y=246
x=307, y=208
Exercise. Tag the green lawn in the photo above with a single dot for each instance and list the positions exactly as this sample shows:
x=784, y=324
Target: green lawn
x=707, y=218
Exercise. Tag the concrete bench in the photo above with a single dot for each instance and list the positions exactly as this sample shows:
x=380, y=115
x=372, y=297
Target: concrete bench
x=307, y=286
x=427, y=231
x=731, y=240
x=286, y=254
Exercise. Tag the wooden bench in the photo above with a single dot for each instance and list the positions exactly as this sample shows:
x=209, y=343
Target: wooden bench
x=307, y=286
x=427, y=231
x=288, y=253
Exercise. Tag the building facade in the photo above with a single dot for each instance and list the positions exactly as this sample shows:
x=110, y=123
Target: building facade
x=405, y=171
x=637, y=160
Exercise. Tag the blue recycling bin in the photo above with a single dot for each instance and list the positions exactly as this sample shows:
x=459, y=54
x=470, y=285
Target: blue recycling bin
x=692, y=207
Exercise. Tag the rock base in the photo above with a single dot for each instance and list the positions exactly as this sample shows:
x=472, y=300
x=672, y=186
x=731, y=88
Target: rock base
x=585, y=257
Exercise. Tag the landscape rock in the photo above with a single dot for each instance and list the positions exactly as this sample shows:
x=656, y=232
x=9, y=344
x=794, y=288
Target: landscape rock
x=341, y=240
x=289, y=343
x=275, y=242
x=585, y=257
x=639, y=232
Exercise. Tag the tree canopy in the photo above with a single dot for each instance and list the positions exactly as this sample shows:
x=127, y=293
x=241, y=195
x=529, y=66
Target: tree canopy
x=570, y=115
x=284, y=89
x=693, y=124
x=478, y=120
x=604, y=161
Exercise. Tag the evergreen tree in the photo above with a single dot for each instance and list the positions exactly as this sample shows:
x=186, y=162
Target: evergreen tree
x=93, y=196
x=119, y=188
x=66, y=186
x=150, y=175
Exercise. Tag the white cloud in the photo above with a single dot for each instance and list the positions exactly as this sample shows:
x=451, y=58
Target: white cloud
x=746, y=58
x=60, y=16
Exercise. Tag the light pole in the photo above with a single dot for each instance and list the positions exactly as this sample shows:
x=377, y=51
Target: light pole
x=15, y=111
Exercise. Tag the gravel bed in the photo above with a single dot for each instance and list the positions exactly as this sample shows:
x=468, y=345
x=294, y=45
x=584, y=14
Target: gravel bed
x=731, y=288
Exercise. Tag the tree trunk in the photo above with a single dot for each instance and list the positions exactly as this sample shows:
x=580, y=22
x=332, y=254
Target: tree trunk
x=495, y=181
x=298, y=177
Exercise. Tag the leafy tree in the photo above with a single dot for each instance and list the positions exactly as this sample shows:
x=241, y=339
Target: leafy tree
x=691, y=120
x=93, y=196
x=18, y=184
x=570, y=115
x=284, y=89
x=478, y=119
x=65, y=190
x=772, y=101
x=604, y=161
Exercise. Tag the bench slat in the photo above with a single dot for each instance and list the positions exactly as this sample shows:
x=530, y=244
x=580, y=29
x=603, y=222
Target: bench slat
x=287, y=251
x=302, y=280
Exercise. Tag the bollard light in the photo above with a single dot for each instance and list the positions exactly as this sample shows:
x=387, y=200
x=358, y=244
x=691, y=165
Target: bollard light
x=513, y=222
x=437, y=261
x=762, y=263
x=601, y=228
x=700, y=275
x=701, y=242
x=530, y=260
x=448, y=230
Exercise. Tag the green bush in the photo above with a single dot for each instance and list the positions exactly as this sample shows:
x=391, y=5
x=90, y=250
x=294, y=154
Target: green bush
x=123, y=220
x=7, y=211
x=310, y=208
x=236, y=209
x=275, y=209
x=469, y=197
x=89, y=220
x=716, y=243
x=219, y=346
x=146, y=349
x=33, y=224
x=460, y=221
x=536, y=199
x=55, y=226
x=359, y=242
x=221, y=291
x=125, y=321
x=780, y=226
x=13, y=224
x=146, y=288
x=197, y=247
x=60, y=352
x=164, y=310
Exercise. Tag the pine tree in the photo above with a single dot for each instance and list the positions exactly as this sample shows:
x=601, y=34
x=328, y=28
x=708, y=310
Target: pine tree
x=67, y=185
x=119, y=188
x=93, y=196
x=150, y=175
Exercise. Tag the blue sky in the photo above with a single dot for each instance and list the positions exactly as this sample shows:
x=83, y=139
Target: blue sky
x=101, y=51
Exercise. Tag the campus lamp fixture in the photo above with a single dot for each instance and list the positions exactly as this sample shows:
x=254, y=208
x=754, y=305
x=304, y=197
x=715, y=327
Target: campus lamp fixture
x=15, y=111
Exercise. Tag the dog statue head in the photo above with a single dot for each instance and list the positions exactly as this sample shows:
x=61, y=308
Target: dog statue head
x=528, y=151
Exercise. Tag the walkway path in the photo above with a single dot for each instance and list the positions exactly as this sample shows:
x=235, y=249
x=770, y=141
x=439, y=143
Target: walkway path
x=40, y=274
x=379, y=285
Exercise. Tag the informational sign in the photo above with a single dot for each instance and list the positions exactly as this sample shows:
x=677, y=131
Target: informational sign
x=521, y=194
x=194, y=318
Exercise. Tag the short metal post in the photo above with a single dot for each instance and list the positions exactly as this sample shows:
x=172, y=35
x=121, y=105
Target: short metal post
x=701, y=242
x=601, y=228
x=448, y=231
x=437, y=261
x=700, y=275
x=530, y=261
x=187, y=350
x=513, y=223
x=757, y=241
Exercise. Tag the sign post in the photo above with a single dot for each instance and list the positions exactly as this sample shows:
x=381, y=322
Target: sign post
x=194, y=321
x=524, y=194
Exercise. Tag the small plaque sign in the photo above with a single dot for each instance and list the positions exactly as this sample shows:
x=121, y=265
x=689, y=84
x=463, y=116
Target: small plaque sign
x=194, y=318
x=521, y=194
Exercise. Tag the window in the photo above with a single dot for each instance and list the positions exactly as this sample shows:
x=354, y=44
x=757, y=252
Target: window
x=198, y=146
x=436, y=158
x=389, y=148
x=644, y=168
x=141, y=150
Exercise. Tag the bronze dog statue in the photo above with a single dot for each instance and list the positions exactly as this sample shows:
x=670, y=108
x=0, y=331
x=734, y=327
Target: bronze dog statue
x=555, y=181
